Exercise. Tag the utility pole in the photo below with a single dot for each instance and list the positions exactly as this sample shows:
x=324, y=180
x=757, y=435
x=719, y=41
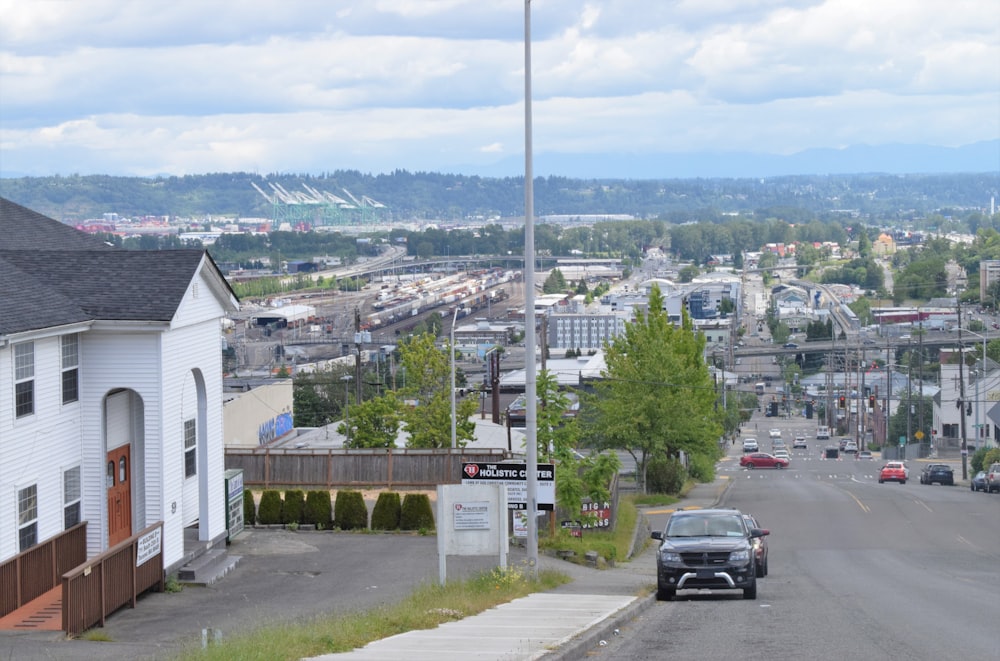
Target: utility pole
x=961, y=401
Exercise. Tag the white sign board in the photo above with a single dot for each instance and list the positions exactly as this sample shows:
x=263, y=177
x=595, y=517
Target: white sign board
x=148, y=546
x=473, y=515
x=515, y=477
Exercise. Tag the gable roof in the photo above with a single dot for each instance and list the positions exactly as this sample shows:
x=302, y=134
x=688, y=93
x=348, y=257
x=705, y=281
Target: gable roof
x=53, y=275
x=24, y=229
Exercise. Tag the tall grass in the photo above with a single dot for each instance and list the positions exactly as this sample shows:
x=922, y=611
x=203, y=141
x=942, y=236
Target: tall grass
x=426, y=608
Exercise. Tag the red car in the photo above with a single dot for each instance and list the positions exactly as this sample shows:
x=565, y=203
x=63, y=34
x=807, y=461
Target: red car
x=763, y=460
x=894, y=471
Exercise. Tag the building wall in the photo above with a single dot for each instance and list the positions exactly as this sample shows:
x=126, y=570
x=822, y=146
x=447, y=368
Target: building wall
x=35, y=449
x=245, y=414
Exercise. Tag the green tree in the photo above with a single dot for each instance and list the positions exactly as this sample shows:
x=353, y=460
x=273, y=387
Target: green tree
x=428, y=386
x=373, y=423
x=555, y=283
x=657, y=397
x=687, y=273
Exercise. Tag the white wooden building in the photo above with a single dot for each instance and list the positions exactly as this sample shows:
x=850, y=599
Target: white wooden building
x=110, y=389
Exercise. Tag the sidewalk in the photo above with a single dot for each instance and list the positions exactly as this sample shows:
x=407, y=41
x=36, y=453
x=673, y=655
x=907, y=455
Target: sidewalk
x=288, y=576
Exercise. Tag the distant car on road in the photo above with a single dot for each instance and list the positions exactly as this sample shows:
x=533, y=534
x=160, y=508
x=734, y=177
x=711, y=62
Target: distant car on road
x=850, y=446
x=762, y=460
x=774, y=433
x=940, y=473
x=894, y=471
x=791, y=345
x=750, y=445
x=993, y=478
x=978, y=481
x=799, y=442
x=864, y=454
x=781, y=454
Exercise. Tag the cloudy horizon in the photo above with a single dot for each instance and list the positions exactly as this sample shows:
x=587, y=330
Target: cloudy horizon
x=138, y=88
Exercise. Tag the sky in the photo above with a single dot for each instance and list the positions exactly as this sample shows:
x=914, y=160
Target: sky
x=158, y=87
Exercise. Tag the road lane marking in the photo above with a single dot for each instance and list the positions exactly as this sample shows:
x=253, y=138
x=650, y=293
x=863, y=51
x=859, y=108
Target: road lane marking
x=864, y=508
x=920, y=502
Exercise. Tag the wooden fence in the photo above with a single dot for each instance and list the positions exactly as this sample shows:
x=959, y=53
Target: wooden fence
x=373, y=468
x=105, y=583
x=34, y=572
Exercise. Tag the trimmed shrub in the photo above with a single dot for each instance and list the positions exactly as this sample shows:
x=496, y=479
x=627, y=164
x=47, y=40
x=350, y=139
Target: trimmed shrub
x=415, y=513
x=295, y=503
x=350, y=511
x=319, y=510
x=387, y=510
x=249, y=509
x=269, y=510
x=665, y=475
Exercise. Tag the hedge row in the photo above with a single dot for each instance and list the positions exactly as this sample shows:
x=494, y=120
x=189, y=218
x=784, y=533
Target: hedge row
x=349, y=512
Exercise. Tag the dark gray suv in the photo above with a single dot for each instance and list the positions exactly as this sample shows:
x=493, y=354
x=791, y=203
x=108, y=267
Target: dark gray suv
x=706, y=549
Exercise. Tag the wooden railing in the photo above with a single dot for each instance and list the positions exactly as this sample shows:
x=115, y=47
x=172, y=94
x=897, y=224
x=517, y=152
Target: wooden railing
x=106, y=582
x=34, y=572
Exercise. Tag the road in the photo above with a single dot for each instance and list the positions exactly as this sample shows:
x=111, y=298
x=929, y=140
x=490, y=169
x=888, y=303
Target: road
x=858, y=570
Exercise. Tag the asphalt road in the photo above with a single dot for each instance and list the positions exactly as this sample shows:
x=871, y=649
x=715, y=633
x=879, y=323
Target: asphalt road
x=858, y=570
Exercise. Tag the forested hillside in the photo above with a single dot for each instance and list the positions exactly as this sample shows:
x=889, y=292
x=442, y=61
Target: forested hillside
x=434, y=196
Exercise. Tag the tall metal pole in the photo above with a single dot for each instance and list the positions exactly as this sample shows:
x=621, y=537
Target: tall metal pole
x=530, y=386
x=961, y=386
x=454, y=407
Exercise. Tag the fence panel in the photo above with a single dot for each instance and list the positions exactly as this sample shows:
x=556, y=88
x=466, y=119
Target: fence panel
x=337, y=467
x=105, y=583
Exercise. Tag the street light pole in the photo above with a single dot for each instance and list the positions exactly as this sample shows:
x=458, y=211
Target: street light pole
x=454, y=407
x=347, y=405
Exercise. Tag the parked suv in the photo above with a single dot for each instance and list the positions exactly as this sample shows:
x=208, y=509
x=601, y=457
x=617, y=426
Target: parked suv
x=940, y=473
x=710, y=548
x=993, y=478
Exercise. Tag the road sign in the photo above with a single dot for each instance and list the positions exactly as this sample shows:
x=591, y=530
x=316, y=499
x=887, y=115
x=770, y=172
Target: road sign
x=902, y=440
x=919, y=435
x=515, y=477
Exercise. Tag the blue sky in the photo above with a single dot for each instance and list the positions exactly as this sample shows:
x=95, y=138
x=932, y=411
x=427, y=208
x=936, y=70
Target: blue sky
x=150, y=87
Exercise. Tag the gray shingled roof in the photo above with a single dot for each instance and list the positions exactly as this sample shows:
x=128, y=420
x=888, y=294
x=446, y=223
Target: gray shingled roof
x=51, y=275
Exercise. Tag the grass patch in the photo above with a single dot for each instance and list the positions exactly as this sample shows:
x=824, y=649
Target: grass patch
x=427, y=607
x=655, y=499
x=96, y=635
x=610, y=544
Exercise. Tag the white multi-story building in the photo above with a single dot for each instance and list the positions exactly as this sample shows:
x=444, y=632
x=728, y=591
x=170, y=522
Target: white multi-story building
x=110, y=389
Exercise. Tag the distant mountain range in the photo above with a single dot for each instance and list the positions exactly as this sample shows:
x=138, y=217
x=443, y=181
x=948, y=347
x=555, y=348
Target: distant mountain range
x=981, y=157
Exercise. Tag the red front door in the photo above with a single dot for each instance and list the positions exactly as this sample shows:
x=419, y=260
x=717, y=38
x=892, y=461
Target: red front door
x=118, y=471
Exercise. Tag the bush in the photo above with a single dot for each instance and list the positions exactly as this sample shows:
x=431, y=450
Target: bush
x=415, y=513
x=701, y=468
x=387, y=510
x=249, y=509
x=269, y=510
x=665, y=475
x=350, y=512
x=319, y=511
x=295, y=503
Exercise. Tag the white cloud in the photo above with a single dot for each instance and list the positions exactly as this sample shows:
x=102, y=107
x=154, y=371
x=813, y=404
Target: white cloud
x=186, y=86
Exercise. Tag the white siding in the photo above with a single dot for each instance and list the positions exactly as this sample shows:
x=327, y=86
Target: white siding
x=34, y=448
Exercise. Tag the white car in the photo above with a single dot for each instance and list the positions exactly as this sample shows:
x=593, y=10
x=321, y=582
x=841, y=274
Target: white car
x=774, y=433
x=782, y=454
x=750, y=445
x=799, y=442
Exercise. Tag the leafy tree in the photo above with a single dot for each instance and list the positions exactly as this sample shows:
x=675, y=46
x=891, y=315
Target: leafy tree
x=687, y=273
x=373, y=423
x=657, y=398
x=554, y=283
x=428, y=384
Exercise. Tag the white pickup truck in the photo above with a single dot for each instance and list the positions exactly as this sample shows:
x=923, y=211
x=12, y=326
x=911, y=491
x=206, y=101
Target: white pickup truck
x=822, y=433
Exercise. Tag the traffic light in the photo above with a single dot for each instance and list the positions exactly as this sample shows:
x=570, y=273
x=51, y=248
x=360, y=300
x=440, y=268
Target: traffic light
x=871, y=402
x=842, y=402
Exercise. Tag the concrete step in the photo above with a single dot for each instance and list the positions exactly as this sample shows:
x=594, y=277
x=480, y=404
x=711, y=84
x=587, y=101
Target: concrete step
x=208, y=568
